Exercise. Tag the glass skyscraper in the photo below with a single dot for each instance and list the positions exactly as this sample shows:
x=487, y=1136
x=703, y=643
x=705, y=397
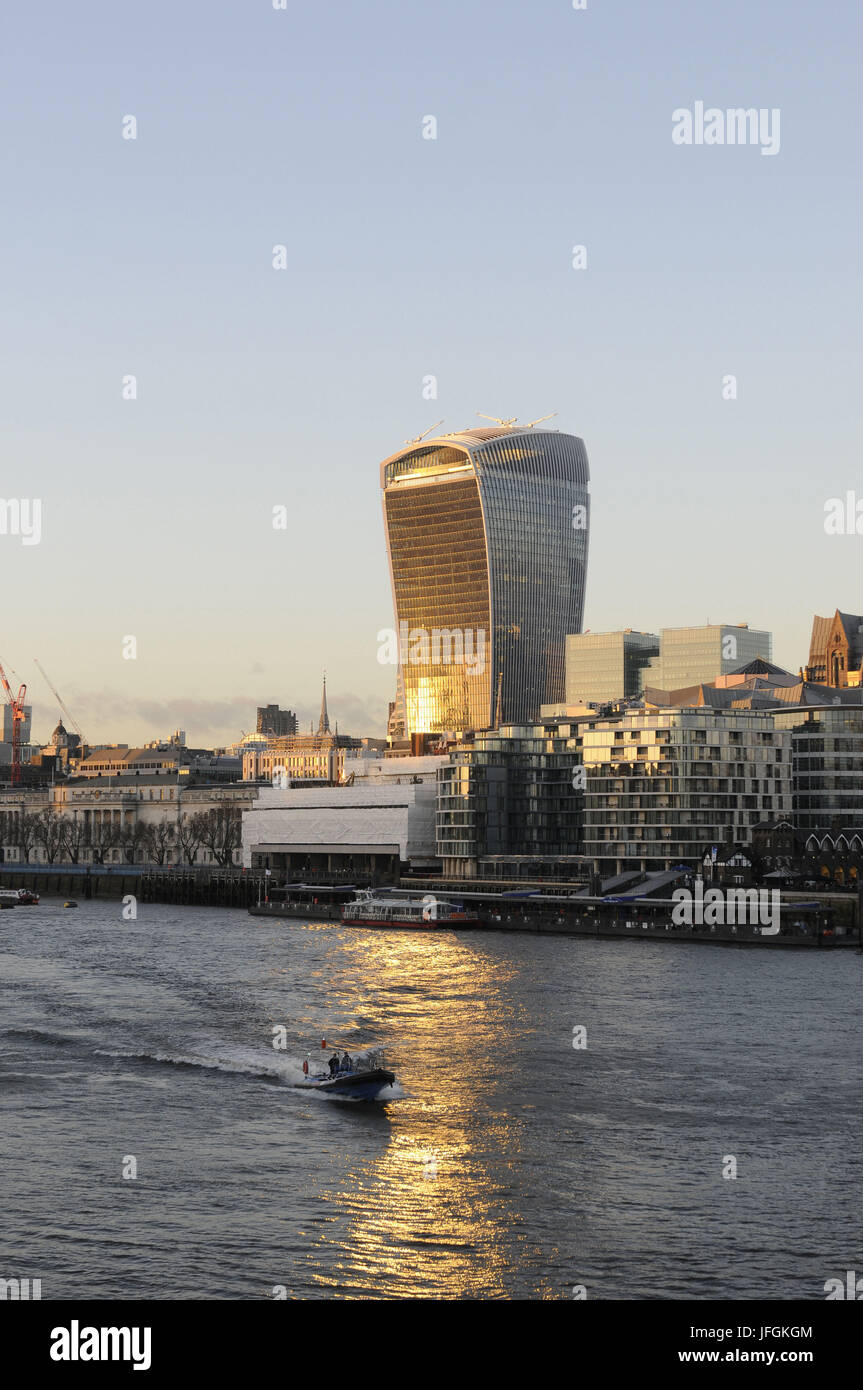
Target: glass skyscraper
x=487, y=534
x=698, y=655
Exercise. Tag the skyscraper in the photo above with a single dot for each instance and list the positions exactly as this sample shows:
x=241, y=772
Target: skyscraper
x=487, y=535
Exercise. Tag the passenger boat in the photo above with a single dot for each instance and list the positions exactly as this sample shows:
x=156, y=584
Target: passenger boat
x=363, y=1077
x=369, y=909
x=18, y=897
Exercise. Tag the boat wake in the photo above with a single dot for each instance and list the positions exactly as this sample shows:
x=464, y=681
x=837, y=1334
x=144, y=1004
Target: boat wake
x=233, y=1060
x=238, y=1061
x=40, y=1035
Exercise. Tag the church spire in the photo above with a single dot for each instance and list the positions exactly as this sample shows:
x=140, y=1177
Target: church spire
x=324, y=721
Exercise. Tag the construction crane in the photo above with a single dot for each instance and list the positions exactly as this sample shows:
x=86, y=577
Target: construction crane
x=512, y=420
x=530, y=424
x=55, y=692
x=16, y=704
x=506, y=423
x=417, y=437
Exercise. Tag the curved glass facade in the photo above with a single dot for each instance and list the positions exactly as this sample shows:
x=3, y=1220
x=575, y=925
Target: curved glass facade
x=487, y=533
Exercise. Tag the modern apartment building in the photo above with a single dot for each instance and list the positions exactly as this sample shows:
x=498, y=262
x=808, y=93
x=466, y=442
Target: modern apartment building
x=663, y=784
x=827, y=765
x=510, y=791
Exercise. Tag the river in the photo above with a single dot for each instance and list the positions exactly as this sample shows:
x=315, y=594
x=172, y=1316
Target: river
x=510, y=1164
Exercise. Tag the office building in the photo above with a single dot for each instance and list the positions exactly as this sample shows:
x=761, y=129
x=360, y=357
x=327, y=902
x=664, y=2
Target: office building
x=275, y=722
x=9, y=724
x=602, y=667
x=697, y=655
x=487, y=536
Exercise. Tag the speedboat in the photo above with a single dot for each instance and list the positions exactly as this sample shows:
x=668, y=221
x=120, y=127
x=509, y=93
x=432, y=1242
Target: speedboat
x=365, y=1077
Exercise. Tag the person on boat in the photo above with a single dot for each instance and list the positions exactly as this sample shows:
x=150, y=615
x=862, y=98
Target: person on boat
x=334, y=1064
x=347, y=1064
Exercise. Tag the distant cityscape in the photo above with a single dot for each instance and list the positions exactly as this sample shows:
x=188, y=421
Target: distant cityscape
x=519, y=746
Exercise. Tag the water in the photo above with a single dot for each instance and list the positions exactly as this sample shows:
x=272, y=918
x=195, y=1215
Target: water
x=510, y=1165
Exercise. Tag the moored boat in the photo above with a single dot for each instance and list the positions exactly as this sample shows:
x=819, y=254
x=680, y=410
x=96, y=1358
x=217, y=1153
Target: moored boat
x=370, y=909
x=18, y=897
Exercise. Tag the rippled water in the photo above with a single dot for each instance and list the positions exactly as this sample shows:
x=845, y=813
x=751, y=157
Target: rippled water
x=510, y=1164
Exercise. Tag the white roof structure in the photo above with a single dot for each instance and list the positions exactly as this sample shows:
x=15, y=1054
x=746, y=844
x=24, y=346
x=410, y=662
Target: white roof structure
x=369, y=818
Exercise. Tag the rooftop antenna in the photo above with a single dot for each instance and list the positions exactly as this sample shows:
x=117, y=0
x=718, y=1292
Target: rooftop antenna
x=531, y=423
x=505, y=423
x=416, y=439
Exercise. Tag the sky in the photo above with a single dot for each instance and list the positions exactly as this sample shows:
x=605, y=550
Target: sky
x=408, y=257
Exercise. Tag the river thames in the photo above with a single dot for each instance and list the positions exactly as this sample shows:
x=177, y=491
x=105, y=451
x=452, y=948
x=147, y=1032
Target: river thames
x=510, y=1164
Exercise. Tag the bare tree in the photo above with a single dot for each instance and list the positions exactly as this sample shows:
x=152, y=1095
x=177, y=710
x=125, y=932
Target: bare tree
x=221, y=831
x=49, y=833
x=21, y=832
x=190, y=834
x=73, y=836
x=103, y=836
x=159, y=840
x=130, y=840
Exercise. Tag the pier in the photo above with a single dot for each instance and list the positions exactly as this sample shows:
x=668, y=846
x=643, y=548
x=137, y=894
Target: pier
x=830, y=921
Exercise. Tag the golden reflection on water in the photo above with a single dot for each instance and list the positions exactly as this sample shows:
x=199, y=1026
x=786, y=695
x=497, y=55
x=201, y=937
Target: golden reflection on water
x=433, y=1215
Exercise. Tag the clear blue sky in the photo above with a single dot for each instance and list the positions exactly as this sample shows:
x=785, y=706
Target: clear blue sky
x=408, y=257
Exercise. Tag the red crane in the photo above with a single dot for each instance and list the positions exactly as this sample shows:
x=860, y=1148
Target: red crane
x=18, y=716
